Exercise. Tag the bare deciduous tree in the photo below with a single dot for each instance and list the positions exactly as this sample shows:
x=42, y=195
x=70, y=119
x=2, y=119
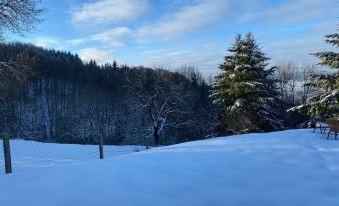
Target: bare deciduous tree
x=18, y=16
x=158, y=106
x=307, y=70
x=191, y=73
x=294, y=82
x=288, y=74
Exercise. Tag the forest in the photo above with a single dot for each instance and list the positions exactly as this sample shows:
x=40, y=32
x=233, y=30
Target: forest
x=63, y=99
x=54, y=96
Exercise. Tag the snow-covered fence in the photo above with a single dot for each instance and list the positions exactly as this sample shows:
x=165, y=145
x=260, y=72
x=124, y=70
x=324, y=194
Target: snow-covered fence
x=28, y=155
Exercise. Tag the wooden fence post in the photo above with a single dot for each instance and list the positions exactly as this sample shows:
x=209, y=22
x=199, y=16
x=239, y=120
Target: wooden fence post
x=7, y=153
x=101, y=146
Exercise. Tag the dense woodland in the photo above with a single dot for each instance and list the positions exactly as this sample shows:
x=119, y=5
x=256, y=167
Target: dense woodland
x=66, y=100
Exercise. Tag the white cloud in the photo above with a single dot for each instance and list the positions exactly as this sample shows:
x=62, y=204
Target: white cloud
x=110, y=34
x=186, y=20
x=116, y=44
x=299, y=51
x=75, y=42
x=108, y=11
x=315, y=31
x=189, y=18
x=294, y=11
x=206, y=61
x=56, y=43
x=46, y=42
x=297, y=45
x=99, y=56
x=110, y=37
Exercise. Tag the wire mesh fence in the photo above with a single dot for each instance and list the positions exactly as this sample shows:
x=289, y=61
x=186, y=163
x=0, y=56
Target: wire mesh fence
x=2, y=160
x=29, y=155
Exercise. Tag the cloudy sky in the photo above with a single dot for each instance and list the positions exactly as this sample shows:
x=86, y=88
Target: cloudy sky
x=171, y=33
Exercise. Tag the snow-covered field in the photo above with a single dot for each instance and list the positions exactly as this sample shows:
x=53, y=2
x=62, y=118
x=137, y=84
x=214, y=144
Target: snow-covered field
x=288, y=168
x=28, y=155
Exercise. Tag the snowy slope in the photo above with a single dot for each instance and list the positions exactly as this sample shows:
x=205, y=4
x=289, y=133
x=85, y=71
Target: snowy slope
x=28, y=155
x=288, y=168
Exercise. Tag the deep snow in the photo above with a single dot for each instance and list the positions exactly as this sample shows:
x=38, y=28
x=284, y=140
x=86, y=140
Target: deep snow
x=288, y=168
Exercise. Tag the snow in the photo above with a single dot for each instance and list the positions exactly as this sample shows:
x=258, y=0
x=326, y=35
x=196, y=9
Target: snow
x=28, y=155
x=238, y=103
x=287, y=168
x=332, y=97
x=296, y=108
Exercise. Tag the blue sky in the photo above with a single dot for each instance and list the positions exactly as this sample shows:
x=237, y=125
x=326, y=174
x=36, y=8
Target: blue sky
x=172, y=33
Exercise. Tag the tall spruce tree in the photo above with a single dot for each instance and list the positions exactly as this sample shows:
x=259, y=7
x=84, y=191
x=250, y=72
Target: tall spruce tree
x=326, y=102
x=245, y=90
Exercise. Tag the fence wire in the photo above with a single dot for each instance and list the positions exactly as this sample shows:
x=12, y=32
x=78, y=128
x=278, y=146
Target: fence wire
x=28, y=155
x=2, y=161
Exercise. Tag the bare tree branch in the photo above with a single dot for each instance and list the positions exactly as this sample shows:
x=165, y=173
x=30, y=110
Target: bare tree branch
x=18, y=16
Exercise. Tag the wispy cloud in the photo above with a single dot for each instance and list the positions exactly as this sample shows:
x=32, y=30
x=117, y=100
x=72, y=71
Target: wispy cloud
x=111, y=36
x=100, y=56
x=46, y=41
x=299, y=51
x=298, y=45
x=292, y=12
x=206, y=61
x=74, y=42
x=188, y=18
x=111, y=33
x=108, y=11
x=171, y=33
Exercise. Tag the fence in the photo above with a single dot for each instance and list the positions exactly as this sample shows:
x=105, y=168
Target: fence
x=24, y=155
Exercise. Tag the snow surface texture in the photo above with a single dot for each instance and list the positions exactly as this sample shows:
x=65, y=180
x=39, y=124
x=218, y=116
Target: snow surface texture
x=28, y=155
x=288, y=168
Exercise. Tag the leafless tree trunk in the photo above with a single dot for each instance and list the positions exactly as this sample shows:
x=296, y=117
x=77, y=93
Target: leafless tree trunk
x=288, y=74
x=157, y=112
x=307, y=70
x=158, y=106
x=17, y=16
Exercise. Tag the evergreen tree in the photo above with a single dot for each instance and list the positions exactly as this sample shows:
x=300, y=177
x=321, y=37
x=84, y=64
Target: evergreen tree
x=325, y=103
x=115, y=65
x=245, y=90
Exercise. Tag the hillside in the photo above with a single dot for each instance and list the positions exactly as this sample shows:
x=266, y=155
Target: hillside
x=294, y=167
x=67, y=100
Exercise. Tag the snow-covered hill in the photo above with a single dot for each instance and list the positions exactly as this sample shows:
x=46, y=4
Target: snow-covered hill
x=288, y=168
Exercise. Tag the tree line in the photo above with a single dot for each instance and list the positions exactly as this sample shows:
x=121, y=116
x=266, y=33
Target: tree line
x=51, y=95
x=67, y=100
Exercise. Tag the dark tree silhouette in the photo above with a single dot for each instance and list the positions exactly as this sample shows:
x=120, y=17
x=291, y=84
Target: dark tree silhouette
x=18, y=16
